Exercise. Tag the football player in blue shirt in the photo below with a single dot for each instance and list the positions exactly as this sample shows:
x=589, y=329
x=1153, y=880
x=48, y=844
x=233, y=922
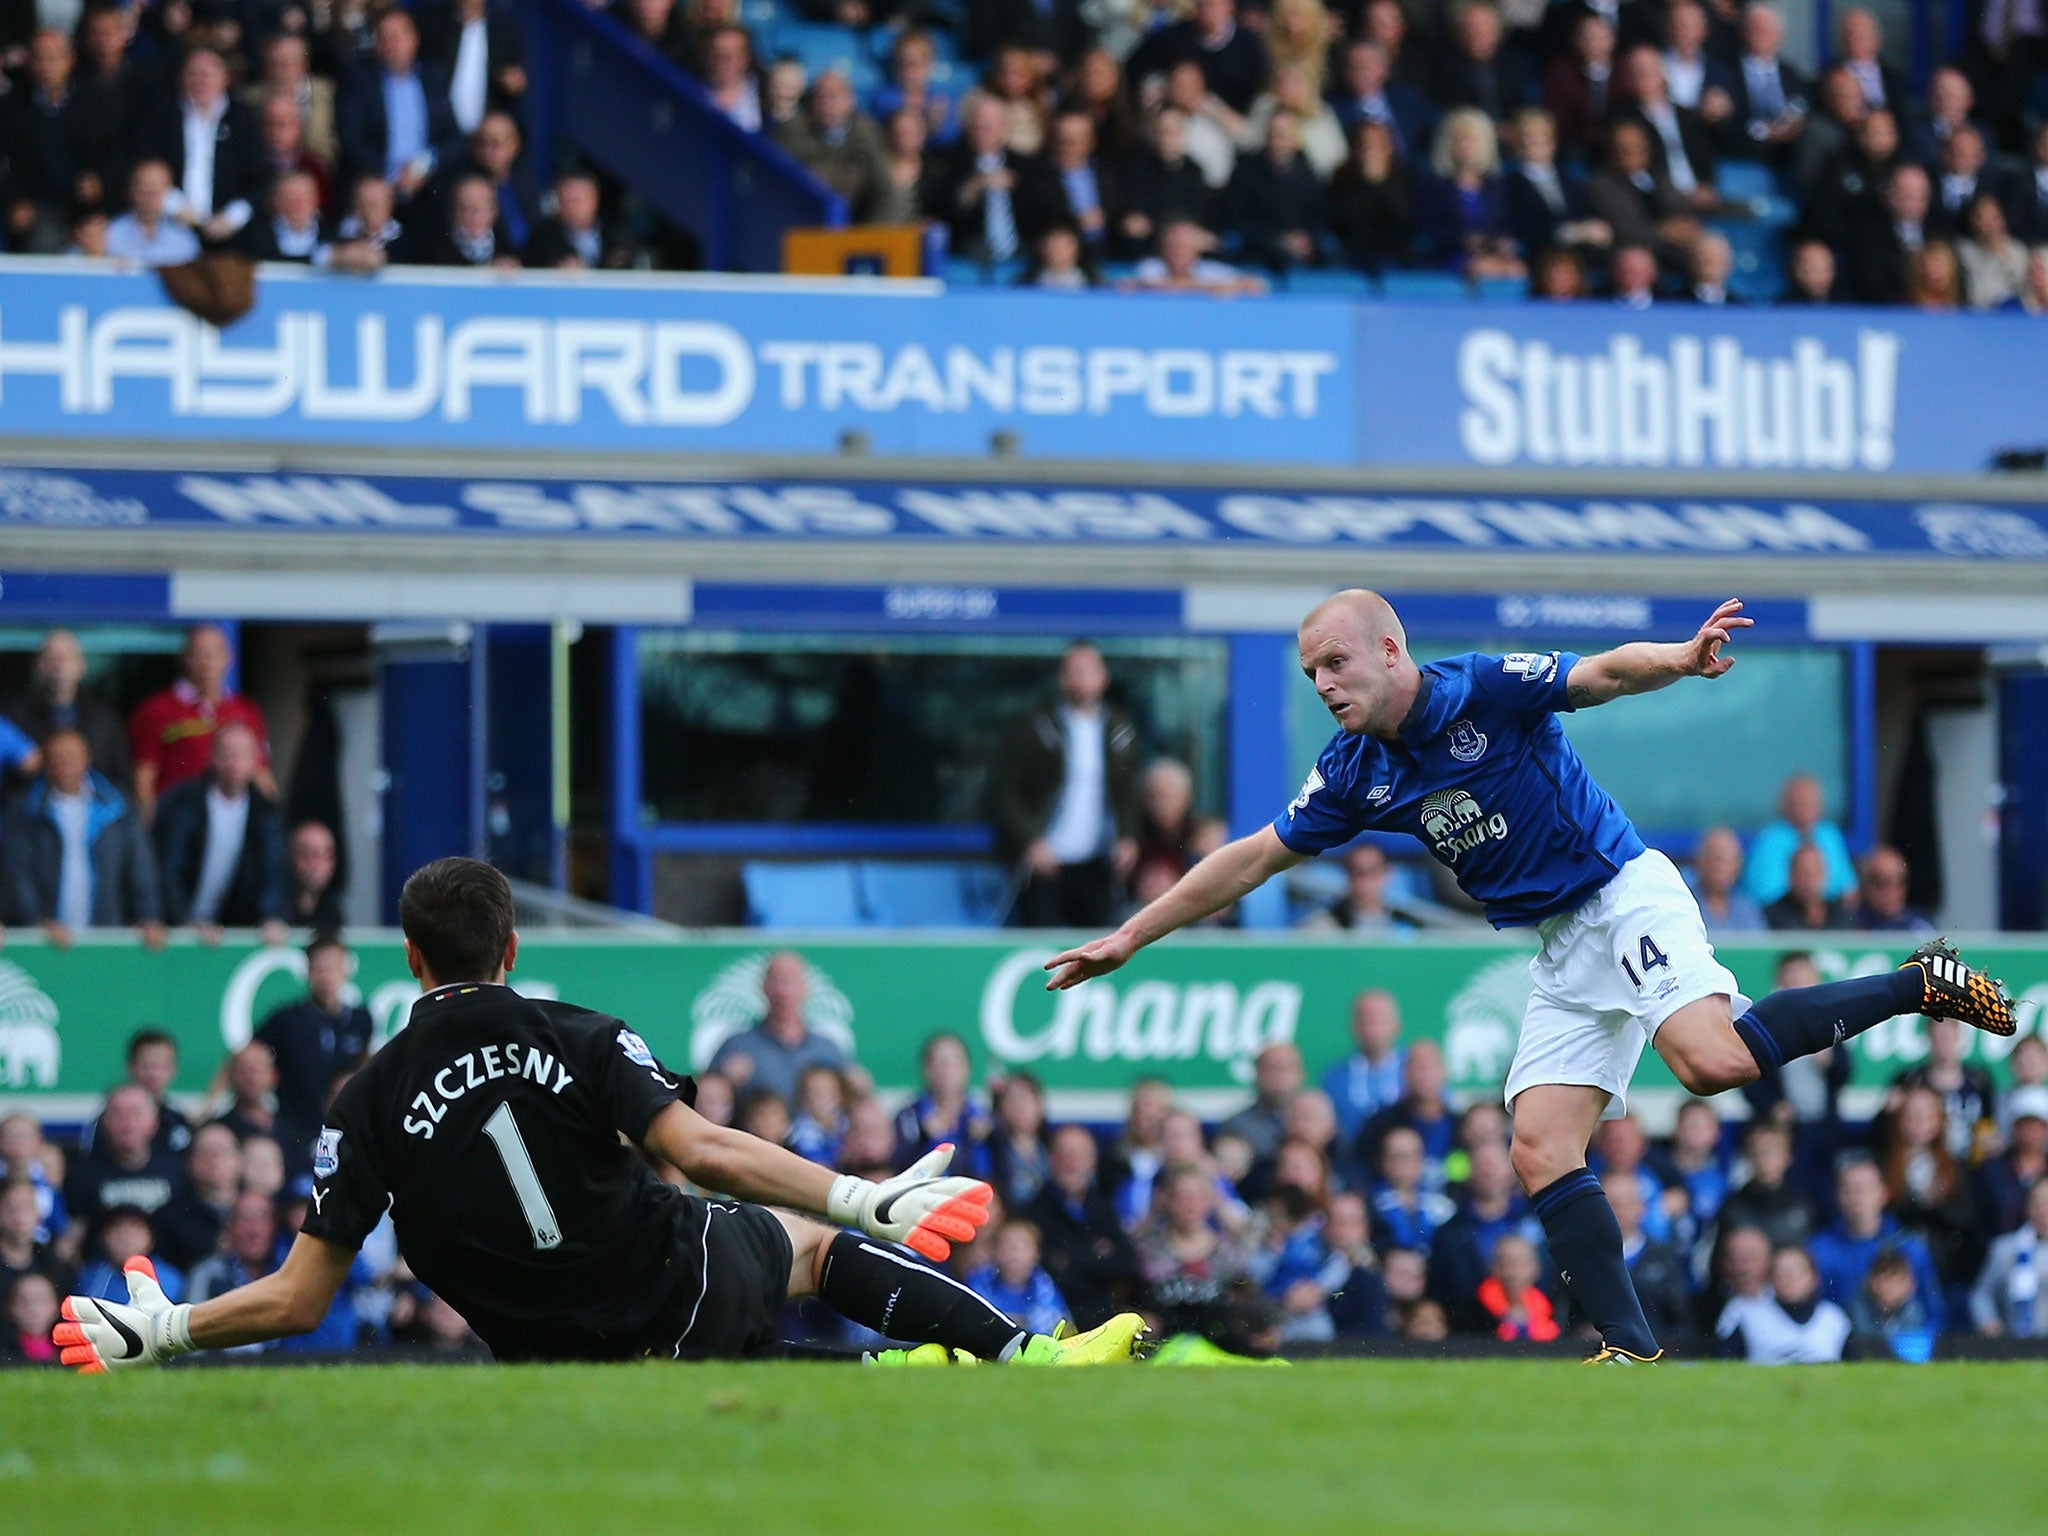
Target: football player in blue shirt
x=1467, y=754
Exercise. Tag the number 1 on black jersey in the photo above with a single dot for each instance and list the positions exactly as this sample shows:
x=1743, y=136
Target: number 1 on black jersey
x=533, y=1200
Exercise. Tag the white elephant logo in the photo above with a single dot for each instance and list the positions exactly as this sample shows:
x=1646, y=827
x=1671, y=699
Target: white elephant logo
x=30, y=1052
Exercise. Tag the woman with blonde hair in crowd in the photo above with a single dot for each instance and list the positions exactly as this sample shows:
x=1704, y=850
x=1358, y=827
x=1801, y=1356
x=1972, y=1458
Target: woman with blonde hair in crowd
x=1934, y=280
x=1463, y=209
x=1292, y=90
x=1299, y=33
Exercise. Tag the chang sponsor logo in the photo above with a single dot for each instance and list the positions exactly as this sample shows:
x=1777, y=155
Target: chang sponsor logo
x=1701, y=401
x=1453, y=823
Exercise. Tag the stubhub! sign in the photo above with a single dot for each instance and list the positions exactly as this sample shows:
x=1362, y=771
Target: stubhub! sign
x=607, y=363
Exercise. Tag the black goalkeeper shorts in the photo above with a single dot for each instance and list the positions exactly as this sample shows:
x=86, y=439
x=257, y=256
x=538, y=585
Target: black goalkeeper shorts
x=732, y=1307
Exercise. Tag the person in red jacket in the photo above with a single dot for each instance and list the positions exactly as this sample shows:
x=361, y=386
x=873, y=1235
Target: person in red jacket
x=171, y=732
x=1509, y=1295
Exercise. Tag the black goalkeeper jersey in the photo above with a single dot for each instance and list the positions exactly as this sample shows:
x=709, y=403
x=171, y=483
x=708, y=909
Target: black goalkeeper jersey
x=490, y=1126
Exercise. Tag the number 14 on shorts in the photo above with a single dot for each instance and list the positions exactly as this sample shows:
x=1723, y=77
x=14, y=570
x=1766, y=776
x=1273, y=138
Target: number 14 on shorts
x=1648, y=958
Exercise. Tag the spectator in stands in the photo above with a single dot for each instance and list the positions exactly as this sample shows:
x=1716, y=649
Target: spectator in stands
x=1275, y=202
x=783, y=98
x=764, y=1114
x=1862, y=55
x=1557, y=276
x=1810, y=277
x=1139, y=1152
x=1880, y=904
x=322, y=1037
x=220, y=844
x=774, y=1052
x=1094, y=197
x=1830, y=131
x=171, y=732
x=1962, y=175
x=42, y=122
x=1633, y=277
x=263, y=1162
x=1491, y=1209
x=947, y=1110
x=1385, y=24
x=1358, y=1307
x=1064, y=794
x=1276, y=1081
x=730, y=78
x=1233, y=59
x=125, y=1166
x=662, y=27
x=1863, y=1230
x=1887, y=238
x=494, y=154
x=1994, y=264
x=1769, y=1201
x=369, y=235
x=1662, y=1281
x=1405, y=1213
x=1019, y=81
x=124, y=1232
x=1934, y=279
x=1474, y=71
x=1190, y=1267
x=2027, y=194
x=1927, y=1186
x=482, y=51
x=1640, y=204
x=1363, y=908
x=1578, y=84
x=475, y=233
x=1161, y=184
x=1169, y=834
x=22, y=1251
x=2003, y=1180
x=1686, y=62
x=1311, y=1126
x=1680, y=142
x=1368, y=93
x=147, y=234
x=73, y=855
x=391, y=111
x=151, y=1060
x=1717, y=883
x=1015, y=1283
x=1061, y=265
x=1802, y=818
x=1847, y=193
x=1084, y=1246
x=210, y=143
x=994, y=201
x=24, y=1154
x=1768, y=95
x=292, y=231
x=1097, y=89
x=1951, y=105
x=2006, y=1300
x=191, y=1224
x=913, y=62
x=1700, y=1168
x=1888, y=1318
x=1789, y=1323
x=55, y=702
x=1017, y=1149
x=1547, y=208
x=314, y=898
x=287, y=76
x=1804, y=1098
x=818, y=1127
x=716, y=1102
x=1623, y=1151
x=1805, y=906
x=1422, y=1108
x=1371, y=207
x=111, y=87
x=1509, y=1301
x=1462, y=209
x=1323, y=144
x=1292, y=1264
x=31, y=1315
x=249, y=1249
x=576, y=237
x=283, y=133
x=1214, y=131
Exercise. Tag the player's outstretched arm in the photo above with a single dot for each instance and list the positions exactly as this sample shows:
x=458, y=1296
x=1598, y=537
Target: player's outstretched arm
x=1229, y=874
x=1646, y=665
x=920, y=1206
x=148, y=1329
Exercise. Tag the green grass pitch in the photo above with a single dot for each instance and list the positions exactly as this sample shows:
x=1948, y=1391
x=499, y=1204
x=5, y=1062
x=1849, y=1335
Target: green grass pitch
x=1457, y=1448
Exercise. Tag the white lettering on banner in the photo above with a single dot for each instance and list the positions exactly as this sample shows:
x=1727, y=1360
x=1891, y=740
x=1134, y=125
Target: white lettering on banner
x=1700, y=402
x=1541, y=525
x=1149, y=1021
x=1172, y=382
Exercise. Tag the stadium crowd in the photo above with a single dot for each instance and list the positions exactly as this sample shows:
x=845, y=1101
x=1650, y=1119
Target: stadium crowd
x=1576, y=147
x=1357, y=1204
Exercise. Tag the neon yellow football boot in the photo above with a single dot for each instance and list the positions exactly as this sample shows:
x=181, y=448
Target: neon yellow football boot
x=1115, y=1342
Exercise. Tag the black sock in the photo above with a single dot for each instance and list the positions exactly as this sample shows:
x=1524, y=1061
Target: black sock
x=1802, y=1020
x=901, y=1298
x=1585, y=1244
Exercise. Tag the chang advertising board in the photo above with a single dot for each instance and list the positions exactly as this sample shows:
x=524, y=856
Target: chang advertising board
x=1194, y=1011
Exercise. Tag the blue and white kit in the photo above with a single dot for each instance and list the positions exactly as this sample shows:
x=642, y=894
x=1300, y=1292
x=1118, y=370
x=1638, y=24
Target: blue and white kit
x=1483, y=774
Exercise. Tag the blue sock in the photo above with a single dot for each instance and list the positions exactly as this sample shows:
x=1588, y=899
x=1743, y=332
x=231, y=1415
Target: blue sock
x=1585, y=1244
x=1803, y=1020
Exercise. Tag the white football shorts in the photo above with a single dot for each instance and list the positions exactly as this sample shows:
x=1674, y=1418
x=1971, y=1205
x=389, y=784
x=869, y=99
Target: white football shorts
x=1609, y=973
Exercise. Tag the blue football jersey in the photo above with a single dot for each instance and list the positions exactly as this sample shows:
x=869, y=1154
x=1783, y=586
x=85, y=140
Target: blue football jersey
x=1484, y=775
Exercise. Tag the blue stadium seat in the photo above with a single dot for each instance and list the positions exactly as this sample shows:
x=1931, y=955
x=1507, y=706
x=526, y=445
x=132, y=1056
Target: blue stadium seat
x=823, y=45
x=809, y=895
x=1327, y=282
x=932, y=894
x=1423, y=285
x=1759, y=275
x=1741, y=180
x=1504, y=288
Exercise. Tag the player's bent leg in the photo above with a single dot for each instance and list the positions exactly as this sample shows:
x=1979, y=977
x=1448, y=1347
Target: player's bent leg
x=1701, y=1047
x=1553, y=1123
x=900, y=1297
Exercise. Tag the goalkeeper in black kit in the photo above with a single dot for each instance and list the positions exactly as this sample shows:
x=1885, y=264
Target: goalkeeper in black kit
x=490, y=1128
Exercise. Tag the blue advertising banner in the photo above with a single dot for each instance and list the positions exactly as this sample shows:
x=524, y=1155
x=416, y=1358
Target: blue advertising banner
x=605, y=362
x=812, y=511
